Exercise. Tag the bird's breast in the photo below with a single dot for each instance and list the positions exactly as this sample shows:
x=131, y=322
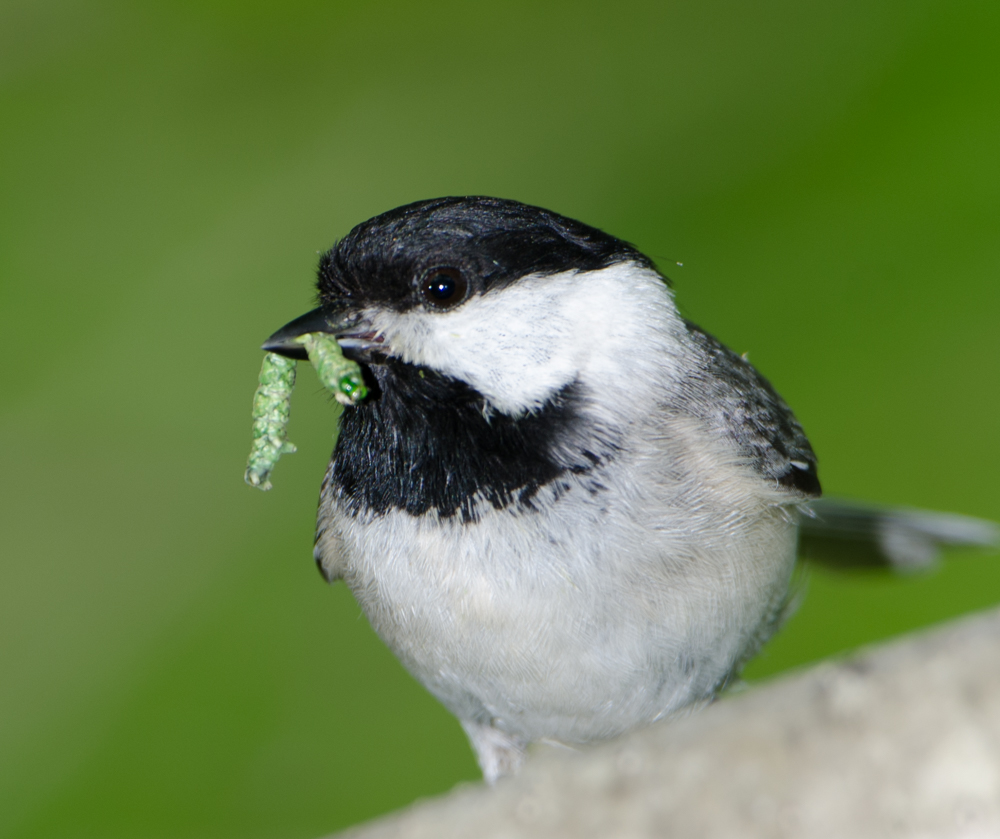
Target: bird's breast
x=574, y=619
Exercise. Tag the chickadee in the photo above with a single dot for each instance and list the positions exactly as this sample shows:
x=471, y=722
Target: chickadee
x=566, y=509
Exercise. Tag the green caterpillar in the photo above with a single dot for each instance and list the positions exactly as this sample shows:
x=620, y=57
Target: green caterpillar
x=272, y=400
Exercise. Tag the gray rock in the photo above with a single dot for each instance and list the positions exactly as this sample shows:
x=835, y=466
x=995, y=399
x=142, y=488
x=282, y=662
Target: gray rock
x=902, y=740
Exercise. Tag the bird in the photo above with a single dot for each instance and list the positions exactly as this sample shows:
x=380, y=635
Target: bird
x=568, y=511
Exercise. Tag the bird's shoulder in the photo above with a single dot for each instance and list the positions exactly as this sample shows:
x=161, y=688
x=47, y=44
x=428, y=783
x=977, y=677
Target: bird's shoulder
x=727, y=391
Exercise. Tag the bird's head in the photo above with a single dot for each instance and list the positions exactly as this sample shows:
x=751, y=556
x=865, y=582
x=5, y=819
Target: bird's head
x=514, y=301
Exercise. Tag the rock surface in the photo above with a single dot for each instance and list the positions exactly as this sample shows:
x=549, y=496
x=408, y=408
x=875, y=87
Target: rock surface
x=902, y=740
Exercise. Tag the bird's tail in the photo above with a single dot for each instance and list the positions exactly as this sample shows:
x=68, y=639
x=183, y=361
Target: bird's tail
x=852, y=534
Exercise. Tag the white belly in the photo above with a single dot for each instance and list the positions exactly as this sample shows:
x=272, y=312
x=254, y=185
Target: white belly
x=576, y=625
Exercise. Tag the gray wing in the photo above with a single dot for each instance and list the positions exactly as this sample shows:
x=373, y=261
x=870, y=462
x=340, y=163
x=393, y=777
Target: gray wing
x=735, y=398
x=851, y=534
x=741, y=403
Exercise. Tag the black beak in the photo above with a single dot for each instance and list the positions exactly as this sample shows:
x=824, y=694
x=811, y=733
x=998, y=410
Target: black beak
x=283, y=341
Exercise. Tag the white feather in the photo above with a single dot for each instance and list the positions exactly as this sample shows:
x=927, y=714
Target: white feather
x=520, y=344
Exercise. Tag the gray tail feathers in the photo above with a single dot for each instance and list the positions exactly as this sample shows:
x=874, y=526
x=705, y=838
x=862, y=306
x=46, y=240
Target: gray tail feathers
x=852, y=534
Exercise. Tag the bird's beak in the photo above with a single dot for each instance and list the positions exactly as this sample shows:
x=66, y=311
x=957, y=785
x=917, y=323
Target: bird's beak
x=283, y=342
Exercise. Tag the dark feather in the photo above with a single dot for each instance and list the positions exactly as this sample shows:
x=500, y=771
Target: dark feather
x=850, y=534
x=490, y=240
x=738, y=401
x=427, y=442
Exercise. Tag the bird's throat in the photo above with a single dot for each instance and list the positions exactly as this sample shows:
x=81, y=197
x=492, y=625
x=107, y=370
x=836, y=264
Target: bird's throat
x=431, y=443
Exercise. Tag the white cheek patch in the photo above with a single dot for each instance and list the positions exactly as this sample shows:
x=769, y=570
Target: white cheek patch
x=521, y=344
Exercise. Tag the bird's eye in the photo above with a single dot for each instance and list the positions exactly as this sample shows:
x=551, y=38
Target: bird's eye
x=443, y=288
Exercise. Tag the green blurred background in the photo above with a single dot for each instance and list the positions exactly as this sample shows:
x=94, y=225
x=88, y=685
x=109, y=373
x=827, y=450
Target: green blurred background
x=171, y=664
